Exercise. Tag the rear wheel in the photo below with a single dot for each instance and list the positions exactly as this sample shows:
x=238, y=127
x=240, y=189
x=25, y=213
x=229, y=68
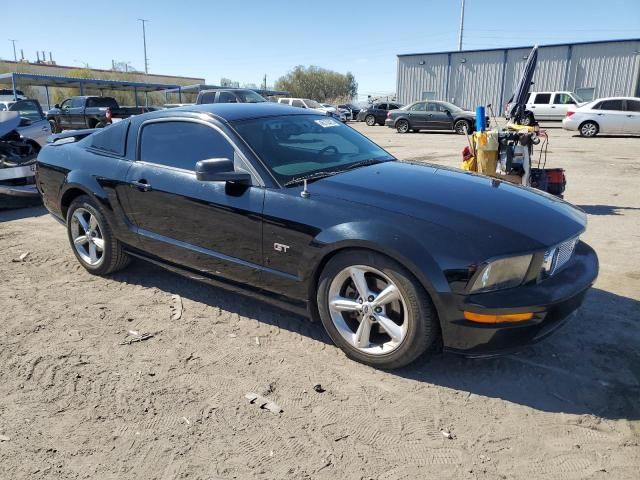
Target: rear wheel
x=402, y=126
x=375, y=310
x=92, y=240
x=462, y=127
x=589, y=129
x=370, y=120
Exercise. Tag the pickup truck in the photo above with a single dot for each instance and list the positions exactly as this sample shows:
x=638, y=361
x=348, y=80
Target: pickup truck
x=89, y=112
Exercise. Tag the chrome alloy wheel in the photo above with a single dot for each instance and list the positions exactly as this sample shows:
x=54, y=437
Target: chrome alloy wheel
x=87, y=237
x=588, y=129
x=368, y=309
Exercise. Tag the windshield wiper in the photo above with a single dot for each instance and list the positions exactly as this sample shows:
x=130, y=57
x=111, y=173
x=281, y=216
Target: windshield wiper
x=312, y=176
x=364, y=163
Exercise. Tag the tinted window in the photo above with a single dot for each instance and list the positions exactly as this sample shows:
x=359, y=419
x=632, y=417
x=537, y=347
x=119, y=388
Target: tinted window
x=182, y=144
x=2, y=107
x=111, y=139
x=206, y=97
x=611, y=105
x=393, y=106
x=432, y=107
x=297, y=103
x=563, y=99
x=102, y=102
x=542, y=99
x=28, y=109
x=633, y=105
x=77, y=102
x=297, y=145
x=249, y=96
x=227, y=97
x=382, y=106
x=66, y=103
x=419, y=107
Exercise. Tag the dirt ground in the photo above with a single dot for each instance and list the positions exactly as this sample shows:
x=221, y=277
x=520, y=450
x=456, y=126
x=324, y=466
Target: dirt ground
x=77, y=403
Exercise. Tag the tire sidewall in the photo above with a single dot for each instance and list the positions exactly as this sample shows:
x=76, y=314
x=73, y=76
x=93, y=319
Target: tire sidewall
x=91, y=206
x=422, y=329
x=463, y=124
x=370, y=120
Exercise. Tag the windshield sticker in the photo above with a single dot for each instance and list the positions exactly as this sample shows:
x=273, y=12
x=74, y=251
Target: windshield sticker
x=327, y=122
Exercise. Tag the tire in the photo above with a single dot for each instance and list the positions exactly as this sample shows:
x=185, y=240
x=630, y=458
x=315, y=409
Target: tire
x=111, y=257
x=461, y=125
x=402, y=126
x=528, y=119
x=54, y=126
x=589, y=129
x=370, y=120
x=413, y=317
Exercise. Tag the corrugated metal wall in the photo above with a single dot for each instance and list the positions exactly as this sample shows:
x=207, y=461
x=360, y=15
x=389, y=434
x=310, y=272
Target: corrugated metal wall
x=490, y=76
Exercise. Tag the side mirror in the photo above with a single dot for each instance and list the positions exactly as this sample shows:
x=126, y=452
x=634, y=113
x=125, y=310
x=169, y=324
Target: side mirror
x=220, y=170
x=25, y=122
x=57, y=105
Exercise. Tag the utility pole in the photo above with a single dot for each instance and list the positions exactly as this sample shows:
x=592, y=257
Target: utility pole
x=264, y=87
x=144, y=42
x=461, y=26
x=15, y=57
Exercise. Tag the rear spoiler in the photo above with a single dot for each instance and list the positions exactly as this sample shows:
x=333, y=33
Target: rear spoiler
x=75, y=135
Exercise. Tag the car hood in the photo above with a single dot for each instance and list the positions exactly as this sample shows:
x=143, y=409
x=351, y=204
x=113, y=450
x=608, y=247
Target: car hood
x=503, y=217
x=8, y=121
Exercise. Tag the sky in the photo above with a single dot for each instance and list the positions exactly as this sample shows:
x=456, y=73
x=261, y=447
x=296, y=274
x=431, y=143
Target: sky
x=245, y=40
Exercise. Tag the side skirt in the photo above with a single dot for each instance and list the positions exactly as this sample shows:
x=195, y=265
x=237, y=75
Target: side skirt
x=293, y=306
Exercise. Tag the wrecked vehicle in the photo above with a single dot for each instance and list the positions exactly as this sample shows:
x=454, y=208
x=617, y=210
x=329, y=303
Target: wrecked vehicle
x=17, y=163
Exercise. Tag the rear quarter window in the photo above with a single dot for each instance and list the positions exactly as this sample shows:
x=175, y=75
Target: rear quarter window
x=111, y=139
x=102, y=102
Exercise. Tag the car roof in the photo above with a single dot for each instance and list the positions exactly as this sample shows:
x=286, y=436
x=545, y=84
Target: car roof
x=241, y=111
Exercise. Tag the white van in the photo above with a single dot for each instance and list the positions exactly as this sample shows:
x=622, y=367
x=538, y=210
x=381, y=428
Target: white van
x=548, y=105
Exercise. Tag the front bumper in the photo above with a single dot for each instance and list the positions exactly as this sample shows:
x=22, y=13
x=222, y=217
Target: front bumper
x=553, y=302
x=389, y=123
x=18, y=181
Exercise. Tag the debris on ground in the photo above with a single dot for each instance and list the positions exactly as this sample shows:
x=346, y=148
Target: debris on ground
x=4, y=438
x=258, y=341
x=341, y=437
x=232, y=335
x=447, y=434
x=21, y=258
x=136, y=337
x=263, y=403
x=318, y=388
x=176, y=307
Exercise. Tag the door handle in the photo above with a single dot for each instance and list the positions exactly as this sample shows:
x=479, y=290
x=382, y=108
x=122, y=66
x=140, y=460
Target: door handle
x=553, y=106
x=142, y=185
x=629, y=116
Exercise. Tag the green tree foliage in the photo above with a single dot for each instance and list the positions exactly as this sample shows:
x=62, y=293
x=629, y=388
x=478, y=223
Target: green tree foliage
x=318, y=84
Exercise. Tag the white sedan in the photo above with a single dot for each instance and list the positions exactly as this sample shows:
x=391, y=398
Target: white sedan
x=615, y=115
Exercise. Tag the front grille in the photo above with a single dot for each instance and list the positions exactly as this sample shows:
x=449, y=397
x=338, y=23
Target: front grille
x=562, y=255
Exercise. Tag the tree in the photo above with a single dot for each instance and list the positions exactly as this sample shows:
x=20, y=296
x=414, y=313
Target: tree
x=227, y=82
x=318, y=83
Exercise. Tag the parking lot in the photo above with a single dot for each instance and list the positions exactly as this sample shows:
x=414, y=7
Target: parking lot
x=80, y=401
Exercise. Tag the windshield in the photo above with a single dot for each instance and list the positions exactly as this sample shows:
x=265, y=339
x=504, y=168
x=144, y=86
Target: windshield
x=312, y=103
x=295, y=146
x=249, y=96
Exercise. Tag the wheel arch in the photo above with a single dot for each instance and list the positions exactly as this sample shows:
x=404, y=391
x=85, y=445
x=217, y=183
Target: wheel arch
x=589, y=120
x=77, y=184
x=416, y=260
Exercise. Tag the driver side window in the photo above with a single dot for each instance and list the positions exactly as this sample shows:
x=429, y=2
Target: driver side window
x=419, y=107
x=66, y=103
x=182, y=144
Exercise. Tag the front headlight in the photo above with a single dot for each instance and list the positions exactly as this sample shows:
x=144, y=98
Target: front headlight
x=500, y=274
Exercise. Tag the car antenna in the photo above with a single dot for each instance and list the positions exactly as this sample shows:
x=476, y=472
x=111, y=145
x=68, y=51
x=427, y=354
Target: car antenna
x=305, y=193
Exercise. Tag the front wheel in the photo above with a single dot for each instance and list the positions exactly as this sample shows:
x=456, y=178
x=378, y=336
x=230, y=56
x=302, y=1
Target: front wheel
x=92, y=240
x=402, y=126
x=370, y=120
x=589, y=129
x=375, y=310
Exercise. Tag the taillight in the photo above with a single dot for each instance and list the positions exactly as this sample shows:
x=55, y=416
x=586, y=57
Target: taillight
x=569, y=113
x=108, y=113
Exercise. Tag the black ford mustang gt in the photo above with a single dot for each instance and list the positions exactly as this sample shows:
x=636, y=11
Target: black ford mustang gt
x=296, y=208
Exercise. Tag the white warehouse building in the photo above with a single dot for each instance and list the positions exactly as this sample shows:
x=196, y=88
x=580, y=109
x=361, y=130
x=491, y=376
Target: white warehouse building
x=481, y=77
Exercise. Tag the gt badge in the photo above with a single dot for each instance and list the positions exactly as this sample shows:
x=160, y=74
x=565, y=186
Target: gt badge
x=279, y=247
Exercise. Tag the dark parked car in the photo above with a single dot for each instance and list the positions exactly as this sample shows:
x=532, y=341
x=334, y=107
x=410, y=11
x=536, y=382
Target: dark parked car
x=432, y=115
x=292, y=206
x=229, y=95
x=377, y=113
x=354, y=109
x=89, y=112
